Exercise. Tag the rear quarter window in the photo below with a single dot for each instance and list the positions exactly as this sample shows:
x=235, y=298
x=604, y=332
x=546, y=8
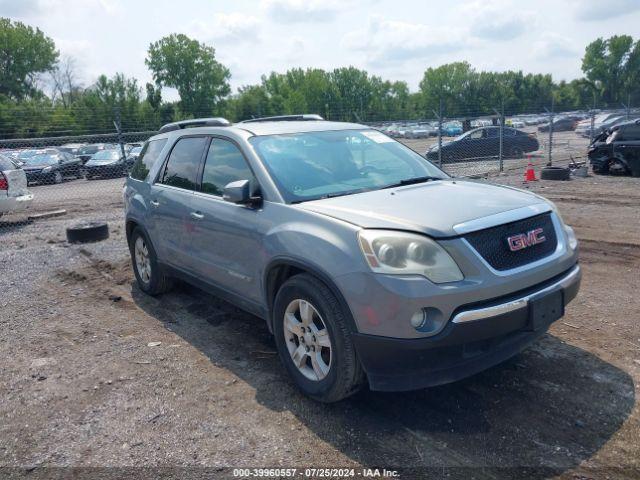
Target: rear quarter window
x=148, y=157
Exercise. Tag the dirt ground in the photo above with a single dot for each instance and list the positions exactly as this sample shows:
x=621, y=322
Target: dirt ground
x=96, y=374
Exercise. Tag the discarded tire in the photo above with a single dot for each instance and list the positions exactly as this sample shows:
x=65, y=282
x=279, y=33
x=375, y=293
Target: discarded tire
x=555, y=173
x=88, y=232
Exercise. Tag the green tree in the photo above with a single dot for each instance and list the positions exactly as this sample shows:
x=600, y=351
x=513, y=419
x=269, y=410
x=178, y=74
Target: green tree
x=24, y=53
x=190, y=67
x=613, y=66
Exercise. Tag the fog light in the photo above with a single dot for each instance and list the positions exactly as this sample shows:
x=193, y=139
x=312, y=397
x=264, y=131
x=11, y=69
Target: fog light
x=419, y=319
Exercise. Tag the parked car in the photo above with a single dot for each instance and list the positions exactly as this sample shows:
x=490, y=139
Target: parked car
x=584, y=126
x=560, y=124
x=485, y=142
x=617, y=151
x=14, y=195
x=107, y=163
x=53, y=166
x=420, y=131
x=516, y=123
x=87, y=151
x=368, y=263
x=451, y=129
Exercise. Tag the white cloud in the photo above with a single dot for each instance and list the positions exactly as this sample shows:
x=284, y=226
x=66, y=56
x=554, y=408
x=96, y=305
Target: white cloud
x=552, y=45
x=498, y=20
x=302, y=11
x=593, y=10
x=384, y=41
x=226, y=27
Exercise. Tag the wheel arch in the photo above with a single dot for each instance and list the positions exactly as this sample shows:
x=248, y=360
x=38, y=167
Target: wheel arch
x=280, y=269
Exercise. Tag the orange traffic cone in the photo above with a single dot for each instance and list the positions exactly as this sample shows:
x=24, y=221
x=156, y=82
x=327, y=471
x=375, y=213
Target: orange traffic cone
x=530, y=174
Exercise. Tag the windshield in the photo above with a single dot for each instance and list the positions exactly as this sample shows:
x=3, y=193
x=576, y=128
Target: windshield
x=106, y=155
x=42, y=159
x=313, y=165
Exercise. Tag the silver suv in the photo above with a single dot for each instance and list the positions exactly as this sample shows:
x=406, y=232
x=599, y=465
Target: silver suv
x=368, y=263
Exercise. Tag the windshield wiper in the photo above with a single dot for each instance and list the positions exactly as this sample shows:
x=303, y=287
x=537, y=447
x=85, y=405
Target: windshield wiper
x=412, y=181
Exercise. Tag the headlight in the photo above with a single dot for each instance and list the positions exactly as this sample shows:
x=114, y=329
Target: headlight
x=401, y=253
x=46, y=169
x=572, y=240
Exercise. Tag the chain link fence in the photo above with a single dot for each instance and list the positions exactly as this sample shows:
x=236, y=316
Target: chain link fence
x=48, y=183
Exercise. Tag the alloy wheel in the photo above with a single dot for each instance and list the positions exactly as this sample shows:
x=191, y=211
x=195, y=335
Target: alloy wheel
x=307, y=339
x=143, y=262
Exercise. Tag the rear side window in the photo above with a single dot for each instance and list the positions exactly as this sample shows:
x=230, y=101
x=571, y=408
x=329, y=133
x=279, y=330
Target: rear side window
x=225, y=164
x=630, y=133
x=148, y=157
x=181, y=169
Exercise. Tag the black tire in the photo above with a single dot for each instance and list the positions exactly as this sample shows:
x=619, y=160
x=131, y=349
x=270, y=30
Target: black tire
x=345, y=376
x=88, y=232
x=57, y=177
x=516, y=152
x=555, y=173
x=616, y=167
x=159, y=282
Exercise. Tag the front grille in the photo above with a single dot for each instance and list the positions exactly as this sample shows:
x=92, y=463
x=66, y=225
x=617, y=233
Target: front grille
x=493, y=246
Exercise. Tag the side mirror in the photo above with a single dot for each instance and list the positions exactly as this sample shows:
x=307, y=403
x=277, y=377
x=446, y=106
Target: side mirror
x=239, y=192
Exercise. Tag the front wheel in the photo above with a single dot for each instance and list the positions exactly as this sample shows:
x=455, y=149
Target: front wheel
x=313, y=340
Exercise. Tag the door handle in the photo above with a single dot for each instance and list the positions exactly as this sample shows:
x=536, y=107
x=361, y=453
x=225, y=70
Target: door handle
x=197, y=215
x=155, y=203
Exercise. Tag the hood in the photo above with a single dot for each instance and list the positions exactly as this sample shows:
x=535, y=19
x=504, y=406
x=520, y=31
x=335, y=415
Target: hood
x=433, y=208
x=29, y=168
x=107, y=161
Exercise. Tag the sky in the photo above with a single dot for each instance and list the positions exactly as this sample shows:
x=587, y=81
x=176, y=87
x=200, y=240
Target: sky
x=396, y=40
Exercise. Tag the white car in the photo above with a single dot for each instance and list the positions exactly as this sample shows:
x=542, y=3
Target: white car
x=14, y=195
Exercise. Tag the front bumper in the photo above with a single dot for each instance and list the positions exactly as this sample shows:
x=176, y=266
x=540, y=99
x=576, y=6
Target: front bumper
x=477, y=337
x=109, y=169
x=38, y=176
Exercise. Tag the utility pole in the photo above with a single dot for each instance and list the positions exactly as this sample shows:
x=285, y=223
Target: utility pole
x=550, y=157
x=439, y=115
x=118, y=124
x=501, y=131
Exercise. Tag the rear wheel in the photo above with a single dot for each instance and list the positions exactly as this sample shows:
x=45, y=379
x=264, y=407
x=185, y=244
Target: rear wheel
x=313, y=340
x=149, y=275
x=616, y=167
x=516, y=152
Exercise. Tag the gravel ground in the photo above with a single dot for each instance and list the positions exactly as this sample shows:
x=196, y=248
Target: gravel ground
x=97, y=374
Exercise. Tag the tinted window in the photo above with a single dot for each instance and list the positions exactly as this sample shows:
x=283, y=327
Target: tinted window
x=181, y=169
x=631, y=133
x=224, y=164
x=147, y=158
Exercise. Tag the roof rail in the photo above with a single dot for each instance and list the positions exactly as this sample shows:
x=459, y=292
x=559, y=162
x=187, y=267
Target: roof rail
x=286, y=118
x=195, y=122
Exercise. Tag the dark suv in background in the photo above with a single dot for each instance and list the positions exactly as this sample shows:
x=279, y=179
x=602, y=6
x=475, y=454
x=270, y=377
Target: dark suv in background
x=617, y=150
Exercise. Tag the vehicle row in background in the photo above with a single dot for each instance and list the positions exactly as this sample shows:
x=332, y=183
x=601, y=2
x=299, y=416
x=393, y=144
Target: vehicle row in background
x=73, y=161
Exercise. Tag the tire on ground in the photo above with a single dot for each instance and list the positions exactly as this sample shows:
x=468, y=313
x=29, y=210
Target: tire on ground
x=345, y=376
x=88, y=232
x=159, y=282
x=555, y=173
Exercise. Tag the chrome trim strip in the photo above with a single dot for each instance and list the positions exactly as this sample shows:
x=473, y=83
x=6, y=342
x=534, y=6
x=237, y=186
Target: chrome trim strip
x=495, y=310
x=501, y=218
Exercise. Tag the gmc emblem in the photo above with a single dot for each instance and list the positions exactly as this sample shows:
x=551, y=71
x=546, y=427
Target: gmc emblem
x=525, y=240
